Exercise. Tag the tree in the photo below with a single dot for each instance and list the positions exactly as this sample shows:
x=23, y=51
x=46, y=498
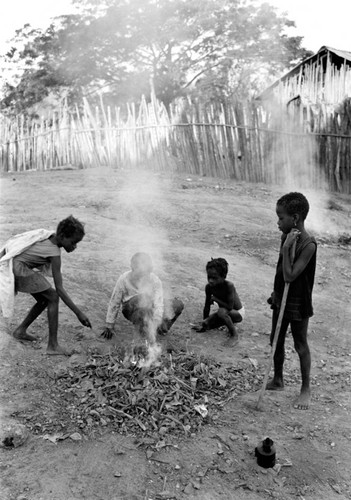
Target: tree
x=125, y=48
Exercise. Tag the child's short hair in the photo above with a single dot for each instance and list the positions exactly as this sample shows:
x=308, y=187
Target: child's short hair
x=220, y=265
x=70, y=227
x=143, y=259
x=295, y=203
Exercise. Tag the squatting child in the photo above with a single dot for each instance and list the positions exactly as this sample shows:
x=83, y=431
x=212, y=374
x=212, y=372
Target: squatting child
x=25, y=259
x=139, y=293
x=221, y=292
x=292, y=210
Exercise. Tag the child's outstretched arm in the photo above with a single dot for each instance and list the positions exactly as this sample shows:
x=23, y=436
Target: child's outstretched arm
x=56, y=273
x=292, y=270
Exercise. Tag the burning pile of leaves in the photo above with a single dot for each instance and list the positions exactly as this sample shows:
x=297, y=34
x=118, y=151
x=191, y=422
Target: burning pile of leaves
x=178, y=395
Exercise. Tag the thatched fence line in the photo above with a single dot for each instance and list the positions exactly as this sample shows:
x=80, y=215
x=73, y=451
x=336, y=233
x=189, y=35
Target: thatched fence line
x=250, y=141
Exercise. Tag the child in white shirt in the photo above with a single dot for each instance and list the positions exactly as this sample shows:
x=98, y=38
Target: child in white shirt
x=139, y=293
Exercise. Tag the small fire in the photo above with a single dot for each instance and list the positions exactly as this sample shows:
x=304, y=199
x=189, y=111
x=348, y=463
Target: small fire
x=148, y=353
x=153, y=349
x=153, y=353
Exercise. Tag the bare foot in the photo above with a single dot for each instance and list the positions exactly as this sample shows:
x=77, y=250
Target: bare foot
x=57, y=351
x=303, y=401
x=232, y=341
x=275, y=385
x=23, y=335
x=198, y=327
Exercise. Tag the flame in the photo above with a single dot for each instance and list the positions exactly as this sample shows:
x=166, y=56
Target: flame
x=134, y=354
x=153, y=348
x=154, y=352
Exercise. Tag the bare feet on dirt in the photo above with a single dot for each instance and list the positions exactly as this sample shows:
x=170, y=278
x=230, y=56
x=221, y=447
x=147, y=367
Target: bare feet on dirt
x=20, y=334
x=275, y=385
x=111, y=458
x=198, y=327
x=303, y=401
x=58, y=351
x=231, y=341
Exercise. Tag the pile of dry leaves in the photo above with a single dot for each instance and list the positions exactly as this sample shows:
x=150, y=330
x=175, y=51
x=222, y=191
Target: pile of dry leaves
x=178, y=395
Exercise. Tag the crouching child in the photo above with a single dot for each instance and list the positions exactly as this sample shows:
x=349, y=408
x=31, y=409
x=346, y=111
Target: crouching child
x=139, y=293
x=221, y=293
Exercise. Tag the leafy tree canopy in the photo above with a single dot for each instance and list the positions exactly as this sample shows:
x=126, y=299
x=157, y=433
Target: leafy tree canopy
x=125, y=48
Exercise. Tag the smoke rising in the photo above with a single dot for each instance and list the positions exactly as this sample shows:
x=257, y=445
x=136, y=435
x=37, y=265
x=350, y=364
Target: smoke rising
x=294, y=166
x=137, y=198
x=139, y=194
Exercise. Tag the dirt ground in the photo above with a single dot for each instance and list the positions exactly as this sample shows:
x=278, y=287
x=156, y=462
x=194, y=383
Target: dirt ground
x=182, y=221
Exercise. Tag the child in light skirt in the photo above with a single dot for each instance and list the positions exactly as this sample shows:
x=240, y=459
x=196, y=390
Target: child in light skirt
x=24, y=261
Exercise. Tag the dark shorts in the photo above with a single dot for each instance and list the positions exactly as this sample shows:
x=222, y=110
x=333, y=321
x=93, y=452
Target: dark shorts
x=298, y=328
x=293, y=307
x=139, y=310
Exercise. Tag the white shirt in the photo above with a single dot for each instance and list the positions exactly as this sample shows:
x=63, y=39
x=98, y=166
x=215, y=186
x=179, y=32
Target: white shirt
x=124, y=290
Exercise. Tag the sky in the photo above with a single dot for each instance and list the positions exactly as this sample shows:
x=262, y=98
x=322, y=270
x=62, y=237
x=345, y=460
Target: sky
x=319, y=22
x=15, y=13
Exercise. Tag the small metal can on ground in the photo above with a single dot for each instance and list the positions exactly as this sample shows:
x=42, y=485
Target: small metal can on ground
x=265, y=453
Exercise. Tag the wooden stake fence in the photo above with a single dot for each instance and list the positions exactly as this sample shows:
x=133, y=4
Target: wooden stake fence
x=247, y=141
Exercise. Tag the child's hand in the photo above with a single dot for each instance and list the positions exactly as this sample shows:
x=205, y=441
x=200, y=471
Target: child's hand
x=213, y=299
x=291, y=238
x=84, y=319
x=107, y=333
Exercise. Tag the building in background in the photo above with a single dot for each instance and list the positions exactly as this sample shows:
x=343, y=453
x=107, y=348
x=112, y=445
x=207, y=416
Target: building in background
x=324, y=78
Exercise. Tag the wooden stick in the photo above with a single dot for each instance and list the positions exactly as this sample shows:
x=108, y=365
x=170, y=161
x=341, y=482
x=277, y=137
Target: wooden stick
x=276, y=332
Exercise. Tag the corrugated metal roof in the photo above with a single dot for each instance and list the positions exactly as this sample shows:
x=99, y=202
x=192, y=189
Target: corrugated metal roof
x=344, y=54
x=341, y=53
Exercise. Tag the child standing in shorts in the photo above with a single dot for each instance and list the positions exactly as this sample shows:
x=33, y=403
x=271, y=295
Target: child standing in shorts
x=222, y=292
x=30, y=256
x=292, y=210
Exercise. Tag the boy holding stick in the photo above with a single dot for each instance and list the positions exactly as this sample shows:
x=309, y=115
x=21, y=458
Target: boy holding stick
x=292, y=210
